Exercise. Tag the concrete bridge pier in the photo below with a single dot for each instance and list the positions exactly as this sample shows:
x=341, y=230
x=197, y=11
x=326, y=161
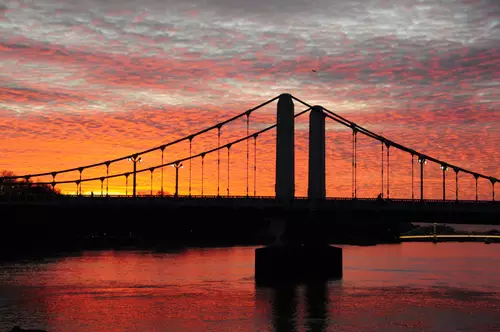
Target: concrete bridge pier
x=278, y=264
x=299, y=254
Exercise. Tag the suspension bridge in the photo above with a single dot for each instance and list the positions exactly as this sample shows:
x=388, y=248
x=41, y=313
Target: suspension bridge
x=414, y=208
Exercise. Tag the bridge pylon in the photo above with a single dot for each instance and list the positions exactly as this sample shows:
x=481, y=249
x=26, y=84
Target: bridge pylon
x=285, y=150
x=317, y=184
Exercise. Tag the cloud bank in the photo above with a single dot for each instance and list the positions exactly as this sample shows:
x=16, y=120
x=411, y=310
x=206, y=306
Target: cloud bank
x=113, y=77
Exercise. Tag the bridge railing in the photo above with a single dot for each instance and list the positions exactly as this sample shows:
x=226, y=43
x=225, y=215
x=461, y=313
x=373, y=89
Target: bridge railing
x=53, y=197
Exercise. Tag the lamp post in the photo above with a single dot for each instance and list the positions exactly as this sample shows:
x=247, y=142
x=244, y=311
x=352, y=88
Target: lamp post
x=135, y=159
x=422, y=161
x=493, y=180
x=177, y=165
x=444, y=168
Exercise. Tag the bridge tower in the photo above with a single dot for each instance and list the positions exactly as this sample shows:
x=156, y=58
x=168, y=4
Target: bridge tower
x=285, y=261
x=317, y=185
x=285, y=150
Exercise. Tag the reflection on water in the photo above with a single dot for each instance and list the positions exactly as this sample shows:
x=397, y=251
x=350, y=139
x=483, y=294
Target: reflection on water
x=286, y=306
x=316, y=303
x=408, y=287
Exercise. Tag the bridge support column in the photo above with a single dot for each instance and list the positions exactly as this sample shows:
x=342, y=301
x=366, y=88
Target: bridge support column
x=285, y=151
x=317, y=186
x=276, y=265
x=292, y=262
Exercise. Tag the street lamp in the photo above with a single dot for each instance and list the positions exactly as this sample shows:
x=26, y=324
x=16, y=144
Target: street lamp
x=444, y=168
x=422, y=161
x=135, y=159
x=177, y=165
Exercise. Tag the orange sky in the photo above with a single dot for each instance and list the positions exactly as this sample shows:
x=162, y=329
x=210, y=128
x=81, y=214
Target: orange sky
x=84, y=84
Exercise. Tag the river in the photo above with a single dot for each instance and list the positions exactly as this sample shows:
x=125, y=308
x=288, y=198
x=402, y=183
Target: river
x=402, y=287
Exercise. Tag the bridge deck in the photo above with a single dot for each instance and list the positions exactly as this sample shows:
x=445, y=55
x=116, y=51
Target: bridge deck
x=475, y=212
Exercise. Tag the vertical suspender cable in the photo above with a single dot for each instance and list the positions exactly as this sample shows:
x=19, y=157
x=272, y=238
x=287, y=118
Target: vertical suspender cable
x=248, y=128
x=162, y=150
x=382, y=164
x=228, y=165
x=476, y=177
x=190, y=162
x=107, y=179
x=255, y=165
x=152, y=171
x=388, y=172
x=80, y=182
x=202, y=172
x=218, y=161
x=412, y=171
x=355, y=164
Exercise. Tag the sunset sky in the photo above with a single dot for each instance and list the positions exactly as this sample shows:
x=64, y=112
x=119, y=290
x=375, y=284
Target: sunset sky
x=87, y=81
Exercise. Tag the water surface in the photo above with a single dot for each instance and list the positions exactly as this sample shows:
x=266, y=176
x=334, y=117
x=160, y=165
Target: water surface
x=406, y=287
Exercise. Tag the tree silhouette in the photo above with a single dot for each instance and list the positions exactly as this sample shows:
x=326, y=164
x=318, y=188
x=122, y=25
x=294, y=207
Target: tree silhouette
x=23, y=187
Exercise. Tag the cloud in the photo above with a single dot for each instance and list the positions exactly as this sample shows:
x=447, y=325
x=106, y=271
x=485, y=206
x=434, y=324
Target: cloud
x=114, y=77
x=35, y=96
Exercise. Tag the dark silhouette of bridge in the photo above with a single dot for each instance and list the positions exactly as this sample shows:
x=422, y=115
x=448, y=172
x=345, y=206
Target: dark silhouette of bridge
x=414, y=208
x=311, y=222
